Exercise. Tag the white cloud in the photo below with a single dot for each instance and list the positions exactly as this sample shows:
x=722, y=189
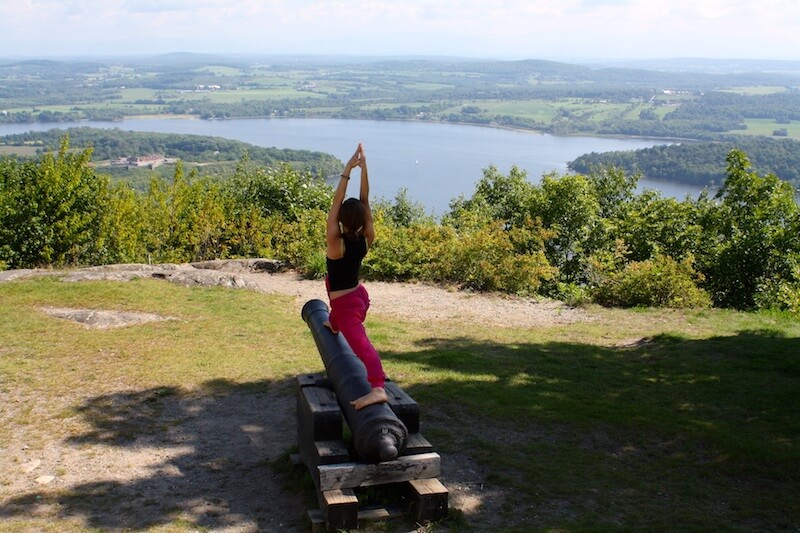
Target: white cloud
x=502, y=28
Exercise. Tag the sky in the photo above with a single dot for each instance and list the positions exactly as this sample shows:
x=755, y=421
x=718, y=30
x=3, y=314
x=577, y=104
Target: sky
x=494, y=29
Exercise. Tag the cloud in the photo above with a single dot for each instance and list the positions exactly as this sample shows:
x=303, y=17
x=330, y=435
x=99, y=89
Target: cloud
x=501, y=28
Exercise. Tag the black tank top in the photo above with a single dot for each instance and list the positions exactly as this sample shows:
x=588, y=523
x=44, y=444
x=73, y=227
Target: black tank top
x=343, y=272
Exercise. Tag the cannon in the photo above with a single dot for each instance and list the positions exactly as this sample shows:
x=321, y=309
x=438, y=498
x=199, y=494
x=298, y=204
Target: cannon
x=378, y=435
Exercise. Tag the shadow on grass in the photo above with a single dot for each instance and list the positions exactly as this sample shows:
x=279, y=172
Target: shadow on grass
x=649, y=380
x=159, y=456
x=663, y=432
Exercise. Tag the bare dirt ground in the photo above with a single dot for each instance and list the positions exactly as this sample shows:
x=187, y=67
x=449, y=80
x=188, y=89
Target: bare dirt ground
x=157, y=457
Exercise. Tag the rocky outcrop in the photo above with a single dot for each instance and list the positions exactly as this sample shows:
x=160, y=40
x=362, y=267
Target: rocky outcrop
x=223, y=273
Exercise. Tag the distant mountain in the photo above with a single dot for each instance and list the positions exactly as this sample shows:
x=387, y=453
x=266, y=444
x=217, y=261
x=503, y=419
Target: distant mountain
x=705, y=65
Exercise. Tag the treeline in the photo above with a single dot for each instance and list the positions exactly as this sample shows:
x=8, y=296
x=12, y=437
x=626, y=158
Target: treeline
x=719, y=105
x=700, y=163
x=110, y=144
x=574, y=237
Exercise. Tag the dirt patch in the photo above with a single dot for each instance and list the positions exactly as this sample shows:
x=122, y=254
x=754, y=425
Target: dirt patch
x=410, y=301
x=141, y=459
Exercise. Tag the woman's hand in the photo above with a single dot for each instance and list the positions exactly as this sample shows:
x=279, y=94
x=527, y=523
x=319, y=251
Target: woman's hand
x=354, y=161
x=362, y=157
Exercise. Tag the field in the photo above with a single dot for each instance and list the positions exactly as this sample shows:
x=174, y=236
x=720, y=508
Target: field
x=636, y=420
x=767, y=127
x=17, y=150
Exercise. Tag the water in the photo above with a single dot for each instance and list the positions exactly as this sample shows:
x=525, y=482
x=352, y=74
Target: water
x=434, y=162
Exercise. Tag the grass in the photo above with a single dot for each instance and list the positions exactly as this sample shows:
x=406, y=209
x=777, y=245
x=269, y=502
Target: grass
x=224, y=331
x=766, y=127
x=756, y=90
x=638, y=420
x=18, y=150
x=538, y=110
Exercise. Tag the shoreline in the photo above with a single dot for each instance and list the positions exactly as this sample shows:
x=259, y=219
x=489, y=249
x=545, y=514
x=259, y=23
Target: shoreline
x=519, y=129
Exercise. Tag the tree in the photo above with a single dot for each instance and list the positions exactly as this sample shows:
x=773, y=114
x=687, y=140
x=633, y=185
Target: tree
x=507, y=199
x=753, y=239
x=52, y=211
x=568, y=206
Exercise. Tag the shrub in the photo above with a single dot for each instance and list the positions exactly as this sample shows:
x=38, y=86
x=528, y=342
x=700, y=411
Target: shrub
x=485, y=258
x=299, y=242
x=405, y=253
x=779, y=294
x=315, y=266
x=752, y=236
x=571, y=293
x=52, y=211
x=657, y=282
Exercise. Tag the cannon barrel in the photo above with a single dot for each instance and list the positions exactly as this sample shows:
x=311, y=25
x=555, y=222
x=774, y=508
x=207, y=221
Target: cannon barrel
x=378, y=435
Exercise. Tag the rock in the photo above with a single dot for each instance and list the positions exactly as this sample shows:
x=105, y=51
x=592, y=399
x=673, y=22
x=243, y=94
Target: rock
x=31, y=466
x=242, y=265
x=102, y=319
x=44, y=480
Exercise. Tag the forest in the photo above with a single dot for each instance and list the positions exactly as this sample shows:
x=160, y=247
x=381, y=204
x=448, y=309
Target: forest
x=700, y=163
x=578, y=238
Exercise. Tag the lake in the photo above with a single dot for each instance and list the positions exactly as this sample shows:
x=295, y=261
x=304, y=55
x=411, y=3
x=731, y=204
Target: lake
x=434, y=162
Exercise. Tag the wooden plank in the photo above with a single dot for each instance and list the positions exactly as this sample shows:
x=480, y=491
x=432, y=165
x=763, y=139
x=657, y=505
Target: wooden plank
x=375, y=514
x=313, y=380
x=429, y=499
x=367, y=514
x=318, y=419
x=416, y=444
x=340, y=508
x=405, y=468
x=331, y=452
x=319, y=415
x=403, y=406
x=317, y=520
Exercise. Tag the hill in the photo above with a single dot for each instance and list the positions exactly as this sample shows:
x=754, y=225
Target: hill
x=108, y=145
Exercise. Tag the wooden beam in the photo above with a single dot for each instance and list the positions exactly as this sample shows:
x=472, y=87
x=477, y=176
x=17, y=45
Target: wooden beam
x=405, y=468
x=331, y=452
x=416, y=443
x=429, y=499
x=403, y=406
x=340, y=508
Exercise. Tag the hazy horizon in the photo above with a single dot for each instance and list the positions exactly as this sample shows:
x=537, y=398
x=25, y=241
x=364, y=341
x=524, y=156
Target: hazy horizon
x=567, y=31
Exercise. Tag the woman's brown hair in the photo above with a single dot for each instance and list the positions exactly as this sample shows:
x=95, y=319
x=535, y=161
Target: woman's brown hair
x=351, y=217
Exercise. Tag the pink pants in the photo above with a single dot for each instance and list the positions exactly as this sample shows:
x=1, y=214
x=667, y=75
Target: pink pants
x=347, y=316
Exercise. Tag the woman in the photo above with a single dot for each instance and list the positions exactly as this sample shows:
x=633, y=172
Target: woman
x=350, y=232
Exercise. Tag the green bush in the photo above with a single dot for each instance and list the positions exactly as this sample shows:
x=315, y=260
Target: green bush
x=569, y=237
x=52, y=211
x=315, y=266
x=299, y=242
x=402, y=253
x=657, y=282
x=752, y=235
x=485, y=258
x=570, y=293
x=779, y=294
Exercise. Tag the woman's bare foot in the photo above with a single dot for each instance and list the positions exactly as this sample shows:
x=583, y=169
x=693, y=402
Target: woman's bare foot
x=376, y=395
x=327, y=324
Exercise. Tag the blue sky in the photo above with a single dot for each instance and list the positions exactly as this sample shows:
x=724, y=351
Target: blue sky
x=503, y=29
